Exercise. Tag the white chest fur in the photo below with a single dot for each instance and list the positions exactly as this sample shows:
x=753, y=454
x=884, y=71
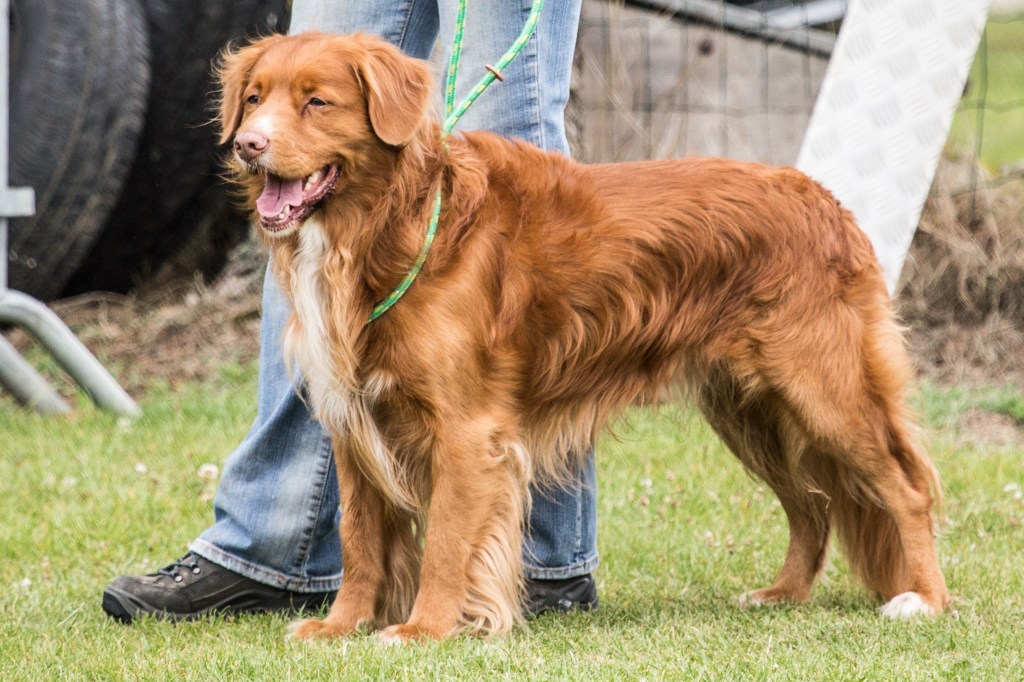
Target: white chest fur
x=307, y=343
x=328, y=366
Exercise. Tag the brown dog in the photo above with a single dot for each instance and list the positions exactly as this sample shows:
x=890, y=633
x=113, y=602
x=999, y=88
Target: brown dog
x=554, y=296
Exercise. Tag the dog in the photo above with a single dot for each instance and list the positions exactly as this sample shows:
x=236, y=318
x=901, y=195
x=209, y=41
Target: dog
x=555, y=295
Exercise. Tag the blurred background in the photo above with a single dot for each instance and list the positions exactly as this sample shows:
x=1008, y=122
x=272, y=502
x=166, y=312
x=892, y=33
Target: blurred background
x=110, y=112
x=137, y=243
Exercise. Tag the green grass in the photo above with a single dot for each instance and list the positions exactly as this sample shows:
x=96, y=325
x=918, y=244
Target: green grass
x=997, y=77
x=683, y=531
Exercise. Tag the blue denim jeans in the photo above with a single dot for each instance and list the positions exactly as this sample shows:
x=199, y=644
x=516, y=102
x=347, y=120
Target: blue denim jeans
x=276, y=510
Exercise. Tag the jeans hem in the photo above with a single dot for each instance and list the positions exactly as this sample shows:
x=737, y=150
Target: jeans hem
x=588, y=565
x=262, y=574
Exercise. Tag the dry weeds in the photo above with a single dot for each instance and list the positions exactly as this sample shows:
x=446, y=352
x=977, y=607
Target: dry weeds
x=962, y=290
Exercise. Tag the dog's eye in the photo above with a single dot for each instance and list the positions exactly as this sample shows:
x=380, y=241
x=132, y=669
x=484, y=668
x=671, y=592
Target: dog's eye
x=252, y=99
x=317, y=102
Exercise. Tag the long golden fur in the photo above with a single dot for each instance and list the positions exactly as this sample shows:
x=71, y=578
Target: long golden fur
x=555, y=295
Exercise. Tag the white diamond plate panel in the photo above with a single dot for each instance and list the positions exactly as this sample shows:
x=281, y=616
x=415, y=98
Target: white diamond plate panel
x=884, y=111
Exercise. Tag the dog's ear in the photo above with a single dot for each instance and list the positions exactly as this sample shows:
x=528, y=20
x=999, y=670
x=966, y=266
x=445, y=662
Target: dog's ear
x=233, y=69
x=398, y=90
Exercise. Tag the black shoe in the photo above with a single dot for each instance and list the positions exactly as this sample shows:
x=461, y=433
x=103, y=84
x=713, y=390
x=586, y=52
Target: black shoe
x=193, y=587
x=570, y=594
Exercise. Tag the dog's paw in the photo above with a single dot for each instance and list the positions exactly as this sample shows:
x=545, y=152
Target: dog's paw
x=404, y=633
x=751, y=599
x=908, y=605
x=765, y=597
x=312, y=629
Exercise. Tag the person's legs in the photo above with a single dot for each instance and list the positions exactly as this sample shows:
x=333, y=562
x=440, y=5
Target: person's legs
x=409, y=24
x=275, y=514
x=530, y=105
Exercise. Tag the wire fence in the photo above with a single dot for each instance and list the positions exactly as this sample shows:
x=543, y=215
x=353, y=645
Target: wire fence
x=666, y=78
x=991, y=115
x=962, y=289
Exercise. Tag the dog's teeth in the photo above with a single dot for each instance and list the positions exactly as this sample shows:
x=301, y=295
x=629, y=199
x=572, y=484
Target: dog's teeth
x=312, y=179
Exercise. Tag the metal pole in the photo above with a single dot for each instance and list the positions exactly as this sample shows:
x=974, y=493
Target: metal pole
x=28, y=388
x=25, y=311
x=75, y=358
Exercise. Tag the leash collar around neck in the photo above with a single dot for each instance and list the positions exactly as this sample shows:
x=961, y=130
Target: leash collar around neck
x=453, y=114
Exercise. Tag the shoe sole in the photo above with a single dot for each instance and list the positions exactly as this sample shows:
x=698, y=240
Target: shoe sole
x=125, y=608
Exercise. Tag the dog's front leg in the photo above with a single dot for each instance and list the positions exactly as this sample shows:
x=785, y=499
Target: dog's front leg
x=471, y=573
x=363, y=538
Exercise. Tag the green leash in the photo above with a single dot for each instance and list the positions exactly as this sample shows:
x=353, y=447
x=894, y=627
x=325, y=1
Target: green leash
x=452, y=116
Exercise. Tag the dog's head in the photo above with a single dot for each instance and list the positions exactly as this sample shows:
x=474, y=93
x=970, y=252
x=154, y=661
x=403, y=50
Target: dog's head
x=307, y=113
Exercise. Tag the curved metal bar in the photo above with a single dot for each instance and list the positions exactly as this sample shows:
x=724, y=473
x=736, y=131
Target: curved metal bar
x=28, y=313
x=27, y=387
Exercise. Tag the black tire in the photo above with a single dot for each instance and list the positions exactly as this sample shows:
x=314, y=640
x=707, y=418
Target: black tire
x=79, y=74
x=175, y=213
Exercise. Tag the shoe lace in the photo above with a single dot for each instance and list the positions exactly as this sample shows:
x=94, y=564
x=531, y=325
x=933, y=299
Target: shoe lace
x=189, y=563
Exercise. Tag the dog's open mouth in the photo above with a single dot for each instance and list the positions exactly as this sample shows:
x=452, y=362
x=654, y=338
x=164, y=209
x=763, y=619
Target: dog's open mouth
x=285, y=202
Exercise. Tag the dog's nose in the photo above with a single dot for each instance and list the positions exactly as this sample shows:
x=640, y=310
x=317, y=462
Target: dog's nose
x=250, y=146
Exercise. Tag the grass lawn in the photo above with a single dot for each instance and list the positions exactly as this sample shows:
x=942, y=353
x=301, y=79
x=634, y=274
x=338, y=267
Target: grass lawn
x=683, y=531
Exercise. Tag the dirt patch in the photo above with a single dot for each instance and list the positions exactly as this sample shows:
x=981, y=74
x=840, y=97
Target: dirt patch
x=992, y=428
x=184, y=332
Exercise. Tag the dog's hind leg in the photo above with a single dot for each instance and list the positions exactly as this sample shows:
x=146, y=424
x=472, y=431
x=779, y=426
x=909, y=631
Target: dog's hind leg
x=805, y=556
x=848, y=398
x=882, y=514
x=755, y=437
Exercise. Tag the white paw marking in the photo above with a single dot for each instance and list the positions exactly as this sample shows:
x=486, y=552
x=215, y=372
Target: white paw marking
x=389, y=637
x=747, y=599
x=289, y=633
x=907, y=605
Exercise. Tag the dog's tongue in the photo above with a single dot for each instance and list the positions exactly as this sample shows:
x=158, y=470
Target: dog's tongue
x=277, y=193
